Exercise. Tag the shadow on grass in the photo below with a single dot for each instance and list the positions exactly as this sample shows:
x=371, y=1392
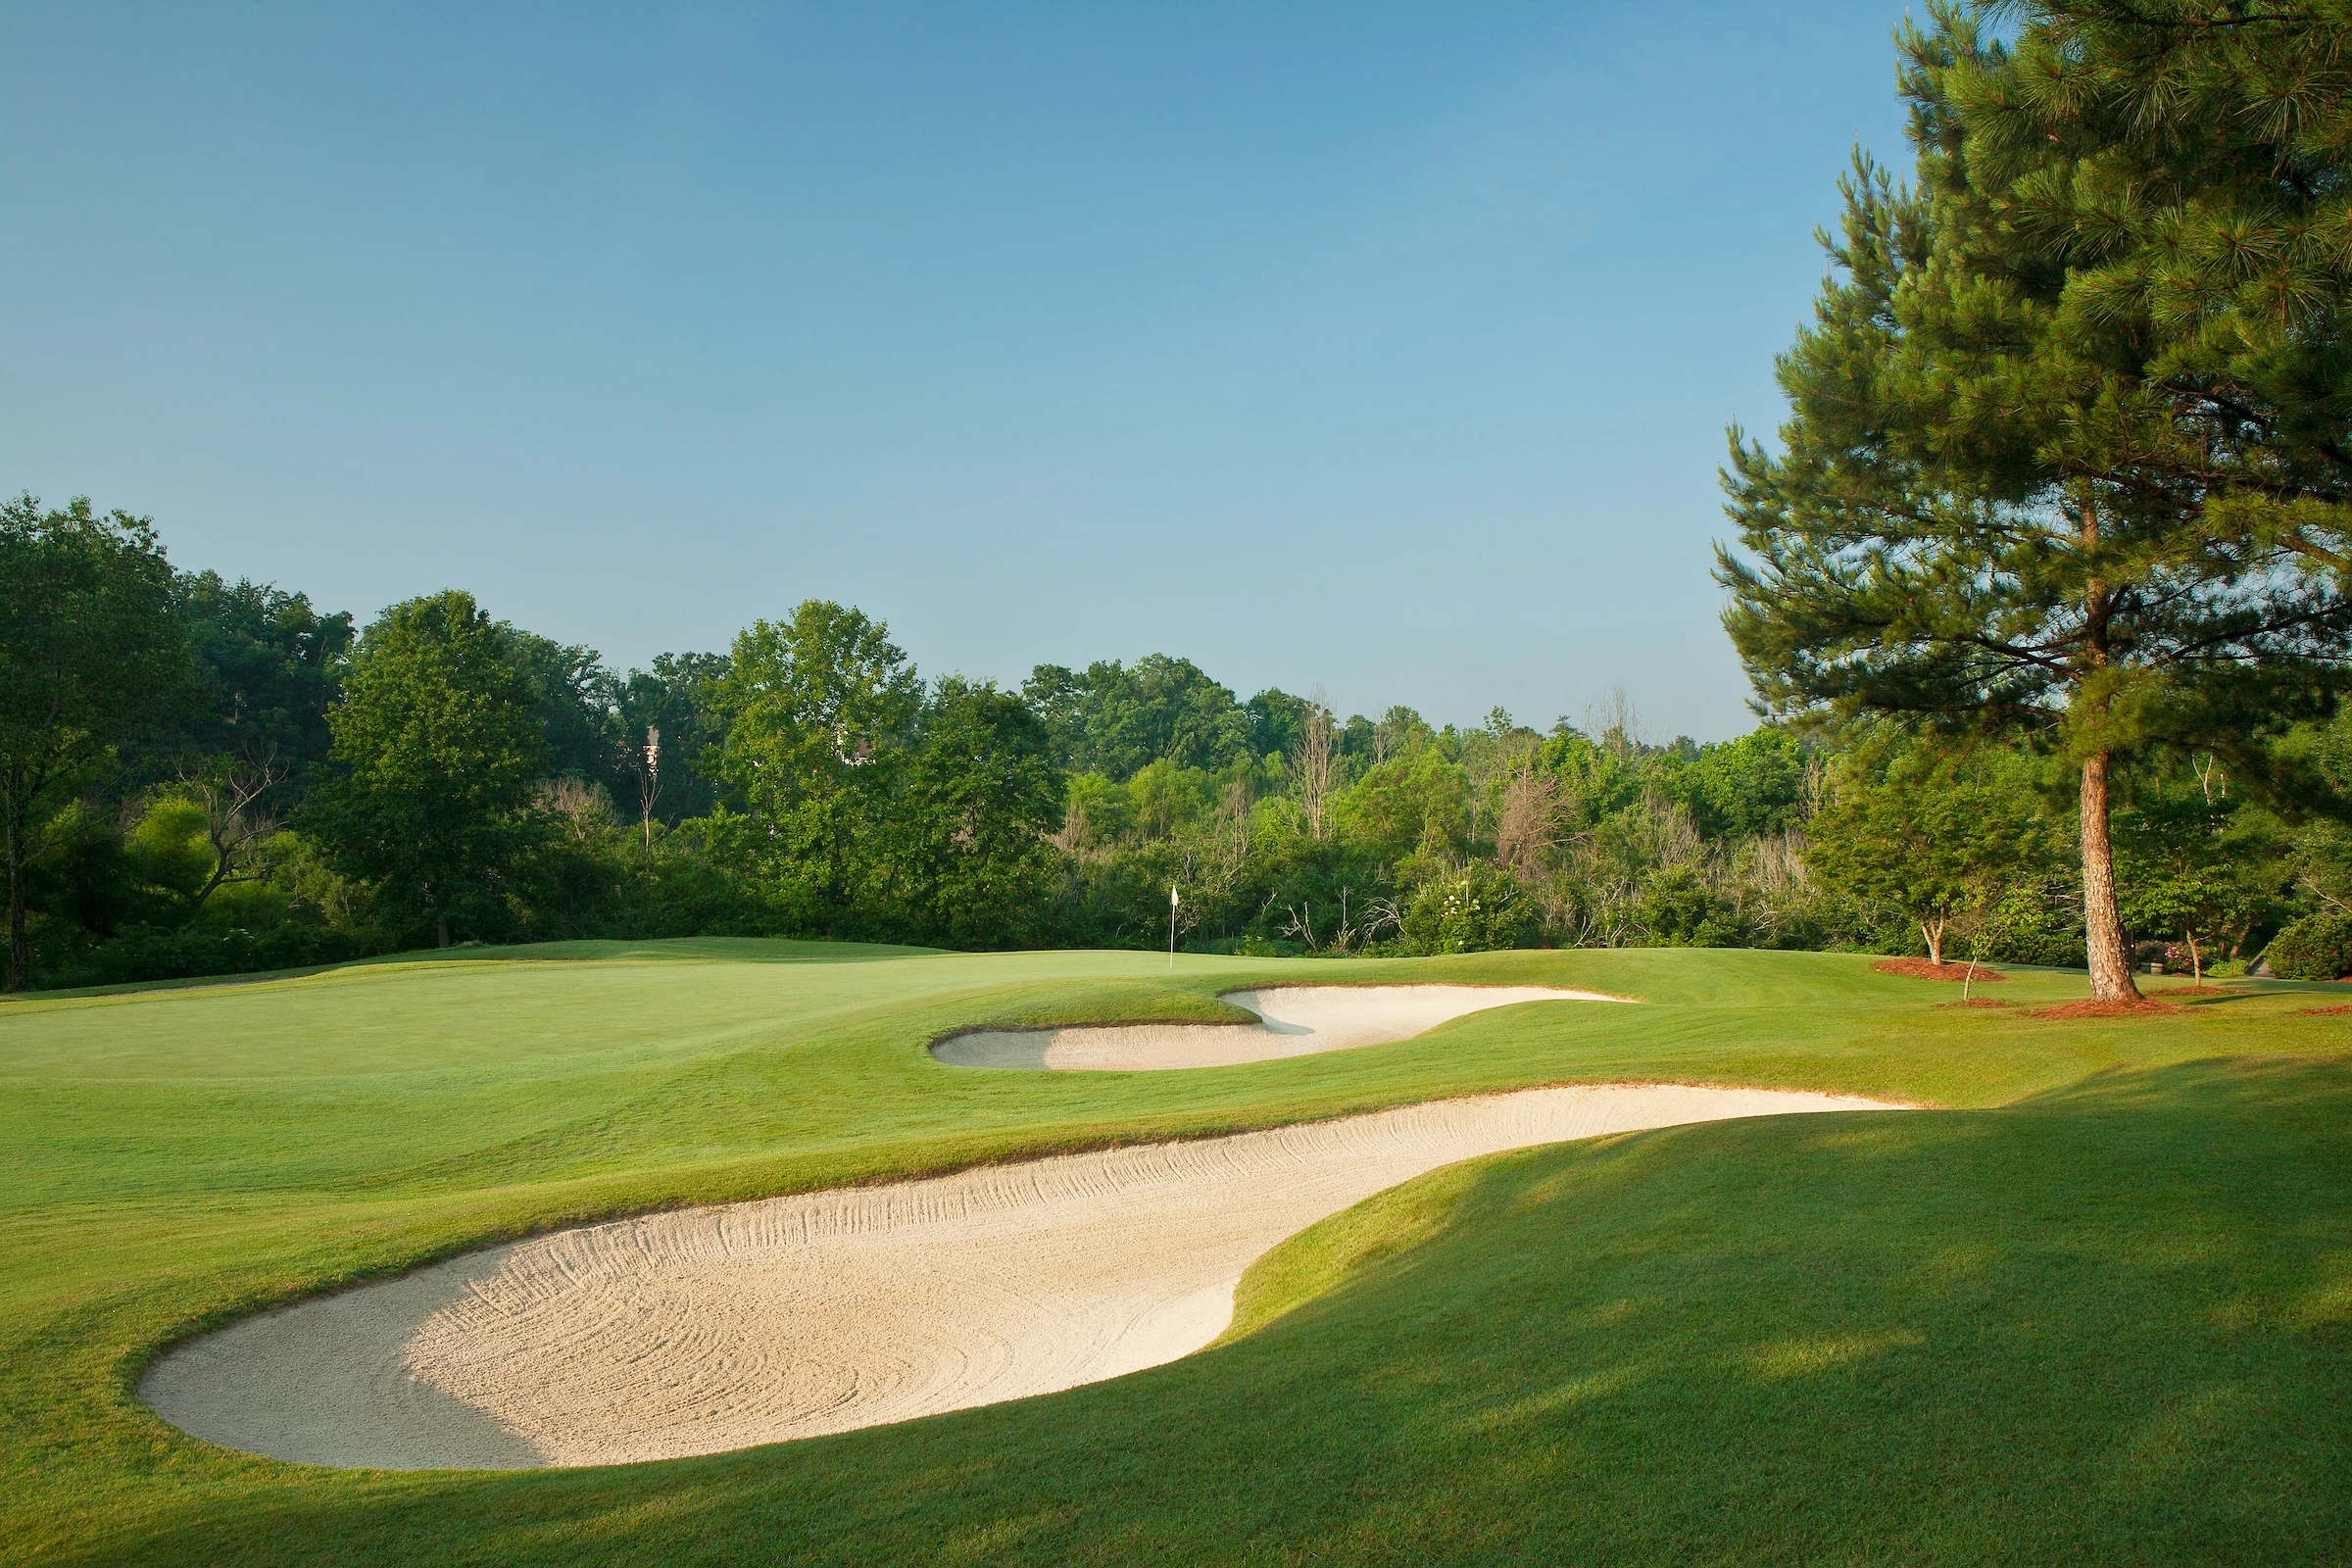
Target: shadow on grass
x=2110, y=1323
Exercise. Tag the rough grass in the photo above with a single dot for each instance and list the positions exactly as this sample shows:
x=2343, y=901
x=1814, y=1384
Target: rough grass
x=2101, y=1309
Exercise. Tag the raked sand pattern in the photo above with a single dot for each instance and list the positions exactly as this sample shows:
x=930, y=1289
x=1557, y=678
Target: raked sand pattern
x=1293, y=1021
x=711, y=1329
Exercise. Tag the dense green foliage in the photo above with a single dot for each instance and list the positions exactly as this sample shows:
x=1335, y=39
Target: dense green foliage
x=305, y=797
x=90, y=659
x=1938, y=835
x=2318, y=947
x=2094, y=1311
x=270, y=664
x=436, y=747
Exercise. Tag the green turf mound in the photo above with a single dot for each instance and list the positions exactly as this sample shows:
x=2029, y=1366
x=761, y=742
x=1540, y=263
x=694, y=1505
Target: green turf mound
x=2098, y=1315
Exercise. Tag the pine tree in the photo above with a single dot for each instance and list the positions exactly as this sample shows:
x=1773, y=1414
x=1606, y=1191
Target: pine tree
x=2061, y=462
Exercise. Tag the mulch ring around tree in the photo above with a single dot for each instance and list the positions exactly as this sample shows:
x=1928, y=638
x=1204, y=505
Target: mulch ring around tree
x=2324, y=1013
x=1922, y=969
x=2102, y=1010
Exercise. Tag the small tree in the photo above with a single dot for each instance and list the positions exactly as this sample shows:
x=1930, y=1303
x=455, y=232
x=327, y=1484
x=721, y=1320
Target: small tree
x=643, y=765
x=2183, y=876
x=228, y=789
x=1929, y=832
x=436, y=751
x=91, y=656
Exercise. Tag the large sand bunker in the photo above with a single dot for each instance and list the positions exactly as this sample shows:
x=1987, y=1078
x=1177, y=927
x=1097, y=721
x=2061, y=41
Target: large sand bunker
x=711, y=1329
x=1293, y=1021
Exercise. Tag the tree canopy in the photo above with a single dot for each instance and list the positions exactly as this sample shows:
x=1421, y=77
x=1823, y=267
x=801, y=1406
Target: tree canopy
x=270, y=664
x=1116, y=720
x=820, y=710
x=91, y=657
x=437, y=744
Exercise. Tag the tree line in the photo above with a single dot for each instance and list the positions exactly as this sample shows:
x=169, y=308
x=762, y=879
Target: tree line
x=202, y=776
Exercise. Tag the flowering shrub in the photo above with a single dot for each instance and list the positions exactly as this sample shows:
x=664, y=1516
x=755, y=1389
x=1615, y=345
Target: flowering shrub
x=1477, y=910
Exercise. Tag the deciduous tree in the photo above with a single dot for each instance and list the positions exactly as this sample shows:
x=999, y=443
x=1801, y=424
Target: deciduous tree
x=962, y=847
x=437, y=746
x=819, y=710
x=91, y=656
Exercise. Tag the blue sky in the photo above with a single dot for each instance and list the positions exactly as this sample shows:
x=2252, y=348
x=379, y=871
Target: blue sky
x=1376, y=348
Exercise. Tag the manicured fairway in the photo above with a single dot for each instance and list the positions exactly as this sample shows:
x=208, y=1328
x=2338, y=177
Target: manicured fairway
x=2100, y=1309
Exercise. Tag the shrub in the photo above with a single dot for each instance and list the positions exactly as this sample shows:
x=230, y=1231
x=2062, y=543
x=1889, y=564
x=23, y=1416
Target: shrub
x=1477, y=910
x=2318, y=947
x=2034, y=925
x=149, y=952
x=1677, y=909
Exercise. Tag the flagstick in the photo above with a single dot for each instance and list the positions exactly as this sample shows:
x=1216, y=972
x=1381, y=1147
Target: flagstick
x=1173, y=901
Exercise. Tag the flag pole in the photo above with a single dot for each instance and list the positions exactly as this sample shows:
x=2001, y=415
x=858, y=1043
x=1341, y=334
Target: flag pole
x=1173, y=901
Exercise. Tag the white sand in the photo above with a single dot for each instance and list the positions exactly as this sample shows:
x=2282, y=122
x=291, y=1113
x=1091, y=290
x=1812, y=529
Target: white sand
x=1293, y=1022
x=711, y=1329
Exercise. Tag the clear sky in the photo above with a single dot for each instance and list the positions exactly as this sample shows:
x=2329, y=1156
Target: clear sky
x=1378, y=348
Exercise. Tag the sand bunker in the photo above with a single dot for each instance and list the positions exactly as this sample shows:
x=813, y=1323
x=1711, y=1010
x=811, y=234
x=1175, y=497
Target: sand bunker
x=711, y=1329
x=1293, y=1021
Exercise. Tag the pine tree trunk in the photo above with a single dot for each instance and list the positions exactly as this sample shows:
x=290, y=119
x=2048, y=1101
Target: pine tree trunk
x=441, y=929
x=2102, y=924
x=19, y=951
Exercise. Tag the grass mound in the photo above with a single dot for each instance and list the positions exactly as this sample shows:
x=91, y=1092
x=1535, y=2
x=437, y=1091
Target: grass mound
x=2103, y=1311
x=1916, y=1350
x=2111, y=1325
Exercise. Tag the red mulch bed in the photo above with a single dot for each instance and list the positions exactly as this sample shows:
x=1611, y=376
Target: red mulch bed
x=1922, y=969
x=1976, y=1001
x=2325, y=1012
x=2102, y=1010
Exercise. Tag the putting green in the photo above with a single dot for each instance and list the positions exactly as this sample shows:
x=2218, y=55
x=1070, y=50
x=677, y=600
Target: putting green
x=2100, y=1308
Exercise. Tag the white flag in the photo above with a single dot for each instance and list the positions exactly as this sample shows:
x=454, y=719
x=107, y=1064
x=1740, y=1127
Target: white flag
x=1173, y=900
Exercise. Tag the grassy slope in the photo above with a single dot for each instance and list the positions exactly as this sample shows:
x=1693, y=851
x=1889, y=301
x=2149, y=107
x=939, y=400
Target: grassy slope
x=2107, y=1320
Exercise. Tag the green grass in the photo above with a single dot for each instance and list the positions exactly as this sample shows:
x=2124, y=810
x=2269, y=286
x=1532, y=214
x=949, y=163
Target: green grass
x=2097, y=1307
